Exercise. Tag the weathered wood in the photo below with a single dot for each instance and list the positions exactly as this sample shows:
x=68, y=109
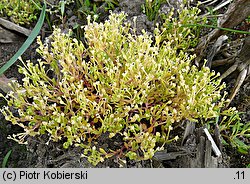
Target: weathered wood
x=217, y=136
x=7, y=36
x=12, y=26
x=4, y=83
x=202, y=157
x=189, y=130
x=214, y=146
x=236, y=13
x=164, y=155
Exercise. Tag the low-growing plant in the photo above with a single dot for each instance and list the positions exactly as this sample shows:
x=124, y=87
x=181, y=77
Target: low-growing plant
x=117, y=83
x=26, y=44
x=111, y=4
x=213, y=16
x=88, y=7
x=57, y=9
x=234, y=131
x=185, y=29
x=20, y=11
x=151, y=8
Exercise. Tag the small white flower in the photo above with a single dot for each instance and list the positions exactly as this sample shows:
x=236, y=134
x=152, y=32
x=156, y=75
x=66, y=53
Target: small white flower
x=170, y=127
x=176, y=138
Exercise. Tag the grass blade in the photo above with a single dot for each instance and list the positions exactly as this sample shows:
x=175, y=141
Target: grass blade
x=6, y=158
x=27, y=43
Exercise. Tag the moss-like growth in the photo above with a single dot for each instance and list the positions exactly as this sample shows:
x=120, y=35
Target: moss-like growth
x=137, y=87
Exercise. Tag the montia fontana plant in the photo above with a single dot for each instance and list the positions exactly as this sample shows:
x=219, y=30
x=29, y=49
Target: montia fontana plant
x=117, y=83
x=21, y=12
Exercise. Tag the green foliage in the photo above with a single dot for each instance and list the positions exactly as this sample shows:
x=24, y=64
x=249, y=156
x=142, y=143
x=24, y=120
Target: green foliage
x=248, y=19
x=57, y=9
x=6, y=158
x=185, y=36
x=20, y=11
x=235, y=132
x=25, y=45
x=121, y=84
x=151, y=8
x=88, y=7
x=213, y=16
x=110, y=4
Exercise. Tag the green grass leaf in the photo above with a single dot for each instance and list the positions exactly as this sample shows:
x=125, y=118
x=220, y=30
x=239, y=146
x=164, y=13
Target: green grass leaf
x=27, y=43
x=216, y=27
x=241, y=146
x=62, y=7
x=6, y=158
